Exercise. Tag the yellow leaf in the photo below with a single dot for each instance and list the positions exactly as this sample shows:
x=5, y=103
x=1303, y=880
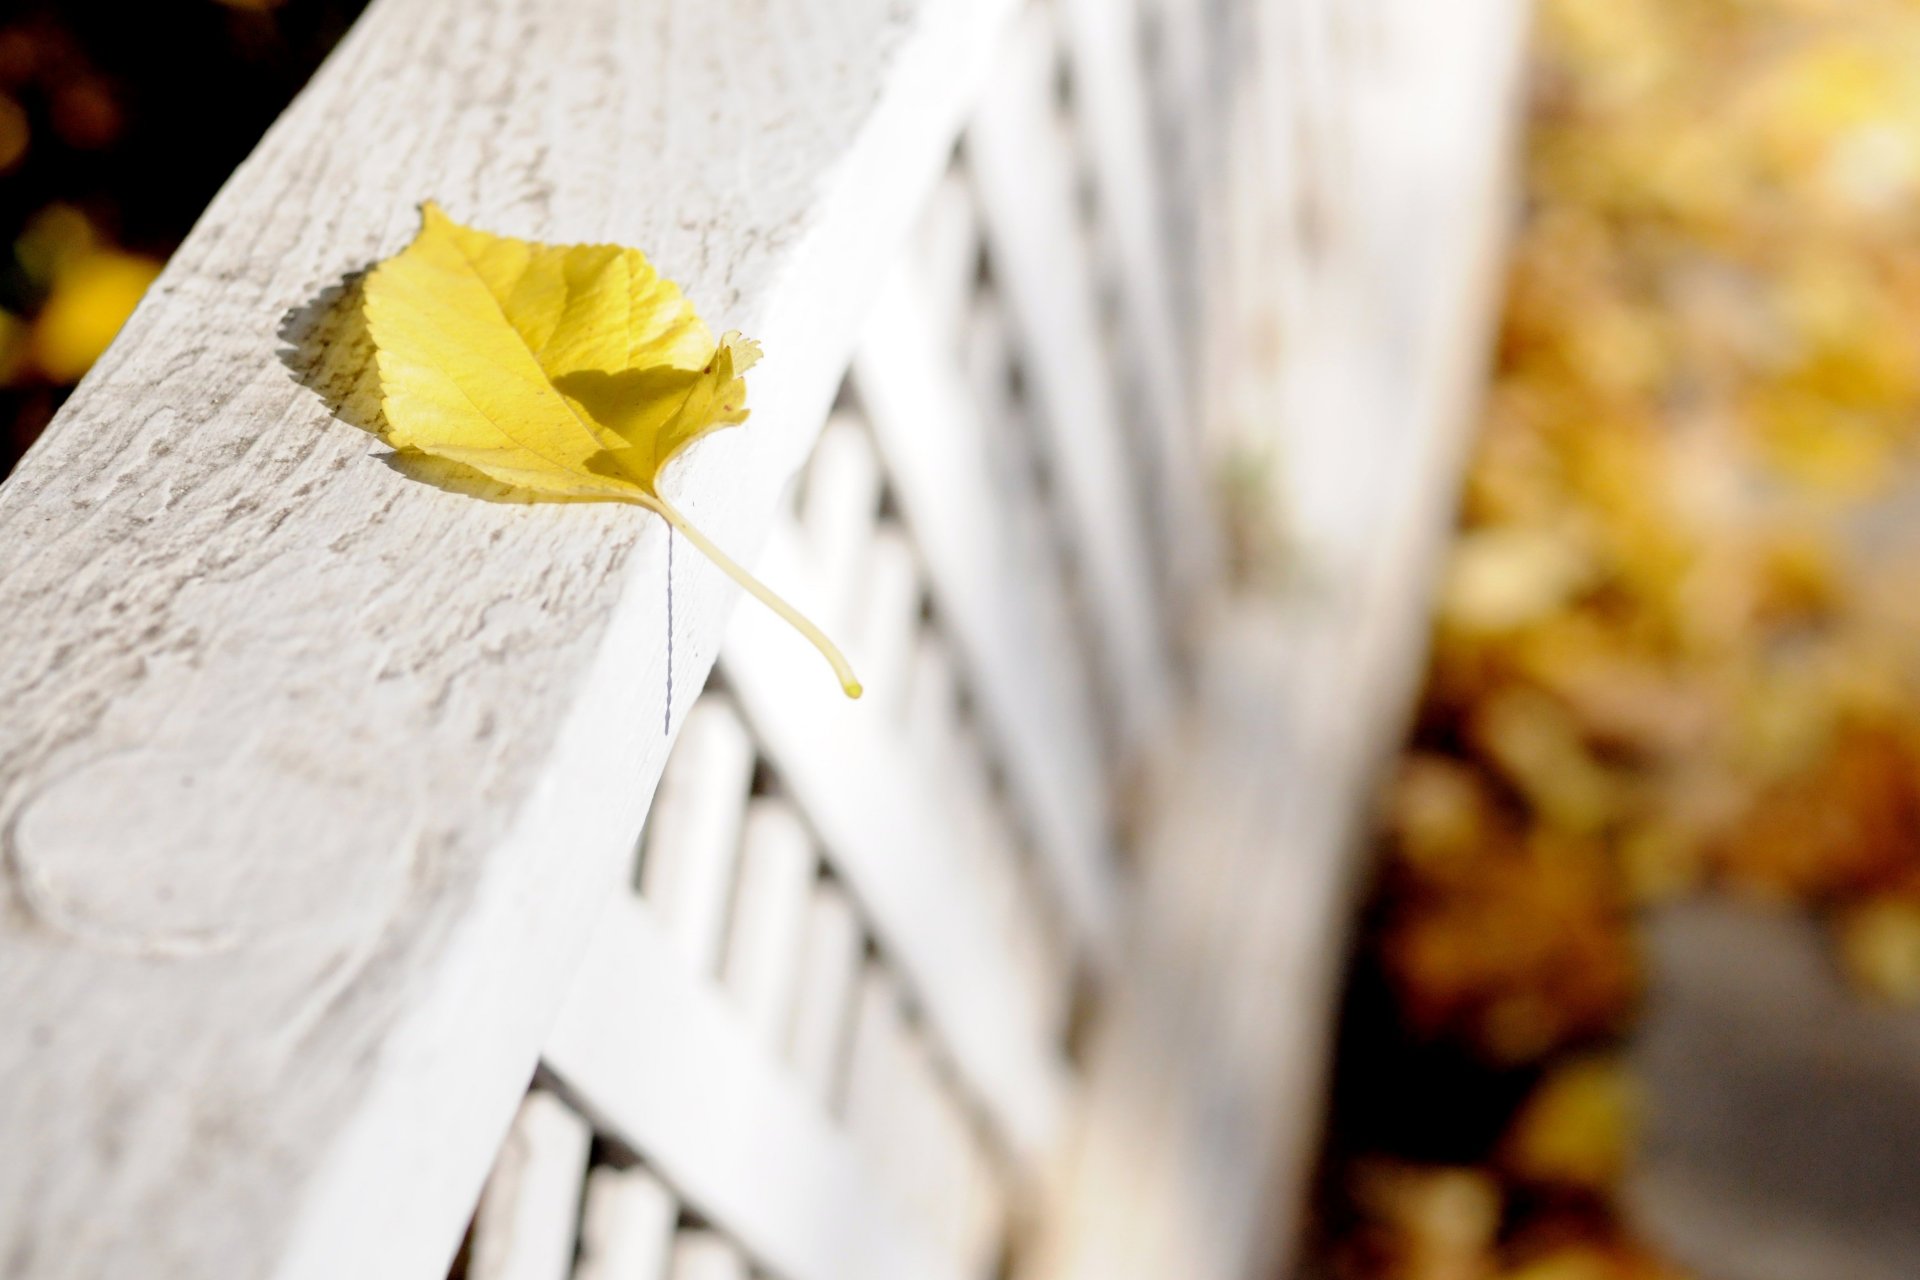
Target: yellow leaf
x=1502, y=578
x=1880, y=948
x=569, y=372
x=1576, y=1128
x=93, y=294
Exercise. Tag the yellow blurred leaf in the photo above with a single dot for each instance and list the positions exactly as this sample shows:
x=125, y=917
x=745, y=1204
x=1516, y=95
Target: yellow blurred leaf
x=1576, y=1128
x=1503, y=578
x=92, y=297
x=1880, y=948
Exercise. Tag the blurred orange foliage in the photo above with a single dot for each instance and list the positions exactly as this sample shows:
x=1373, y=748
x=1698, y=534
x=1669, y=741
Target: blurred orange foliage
x=1678, y=643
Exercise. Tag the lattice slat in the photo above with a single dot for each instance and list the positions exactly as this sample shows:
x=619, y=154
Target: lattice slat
x=664, y=1062
x=886, y=822
x=873, y=1072
x=524, y=1229
x=706, y=1255
x=693, y=833
x=1100, y=40
x=1025, y=169
x=947, y=247
x=1040, y=946
x=762, y=967
x=823, y=1005
x=837, y=516
x=889, y=615
x=997, y=376
x=1029, y=690
x=626, y=1226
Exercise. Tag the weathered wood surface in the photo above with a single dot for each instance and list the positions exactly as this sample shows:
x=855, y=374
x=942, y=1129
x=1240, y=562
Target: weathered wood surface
x=311, y=776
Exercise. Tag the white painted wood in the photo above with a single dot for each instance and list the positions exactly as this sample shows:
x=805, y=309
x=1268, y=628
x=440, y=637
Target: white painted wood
x=778, y=866
x=841, y=506
x=1027, y=690
x=626, y=1227
x=418, y=731
x=693, y=830
x=1111, y=119
x=1185, y=97
x=1026, y=521
x=1024, y=916
x=701, y=1254
x=706, y=1255
x=1206, y=1068
x=874, y=1081
x=932, y=730
x=528, y=1216
x=886, y=823
x=1025, y=171
x=983, y=1229
x=664, y=1062
x=316, y=785
x=929, y=1128
x=947, y=252
x=823, y=1004
x=888, y=618
x=903, y=1116
x=1035, y=525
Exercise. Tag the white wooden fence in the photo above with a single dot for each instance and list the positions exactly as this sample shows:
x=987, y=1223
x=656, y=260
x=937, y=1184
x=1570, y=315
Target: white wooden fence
x=320, y=788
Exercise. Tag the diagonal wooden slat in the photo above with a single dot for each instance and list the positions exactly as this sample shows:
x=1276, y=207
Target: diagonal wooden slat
x=626, y=1226
x=1025, y=170
x=763, y=956
x=525, y=1226
x=992, y=594
x=1111, y=116
x=888, y=827
x=662, y=1061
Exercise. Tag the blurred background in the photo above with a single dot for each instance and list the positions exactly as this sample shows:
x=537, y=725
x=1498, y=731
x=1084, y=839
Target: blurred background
x=118, y=122
x=1633, y=993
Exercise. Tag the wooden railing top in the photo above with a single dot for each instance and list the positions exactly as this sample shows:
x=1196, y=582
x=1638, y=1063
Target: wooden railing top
x=311, y=775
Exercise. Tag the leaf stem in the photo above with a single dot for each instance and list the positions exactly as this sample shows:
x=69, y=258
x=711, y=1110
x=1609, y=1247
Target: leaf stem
x=759, y=591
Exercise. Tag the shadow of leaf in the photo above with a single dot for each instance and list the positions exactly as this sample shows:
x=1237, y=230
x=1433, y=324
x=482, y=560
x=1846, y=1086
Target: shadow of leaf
x=329, y=351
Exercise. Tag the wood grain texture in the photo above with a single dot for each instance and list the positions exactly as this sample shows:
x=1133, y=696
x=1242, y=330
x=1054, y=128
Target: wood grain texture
x=309, y=773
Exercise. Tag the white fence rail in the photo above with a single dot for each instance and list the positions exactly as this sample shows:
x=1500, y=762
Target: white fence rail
x=321, y=790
